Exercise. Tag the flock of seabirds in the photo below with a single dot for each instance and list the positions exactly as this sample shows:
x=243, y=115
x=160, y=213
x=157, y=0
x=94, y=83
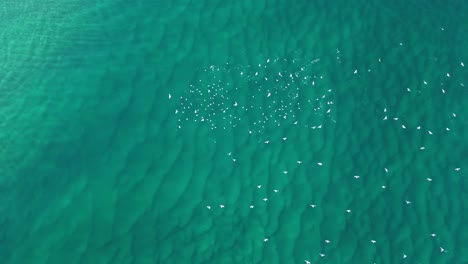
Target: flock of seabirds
x=276, y=95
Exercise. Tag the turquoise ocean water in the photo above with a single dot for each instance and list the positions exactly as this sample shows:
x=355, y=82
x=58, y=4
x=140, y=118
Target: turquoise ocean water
x=214, y=131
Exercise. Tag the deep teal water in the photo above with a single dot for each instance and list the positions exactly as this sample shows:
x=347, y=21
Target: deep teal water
x=233, y=131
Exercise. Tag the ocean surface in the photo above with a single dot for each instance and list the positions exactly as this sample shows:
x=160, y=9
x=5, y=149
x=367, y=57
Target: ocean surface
x=220, y=131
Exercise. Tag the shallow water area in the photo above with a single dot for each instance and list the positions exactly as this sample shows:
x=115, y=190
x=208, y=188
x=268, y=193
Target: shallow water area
x=233, y=132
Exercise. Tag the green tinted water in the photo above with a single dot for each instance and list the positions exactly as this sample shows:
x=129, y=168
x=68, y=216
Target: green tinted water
x=233, y=132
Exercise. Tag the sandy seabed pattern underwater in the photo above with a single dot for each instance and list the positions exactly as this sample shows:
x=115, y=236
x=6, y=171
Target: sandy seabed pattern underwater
x=233, y=131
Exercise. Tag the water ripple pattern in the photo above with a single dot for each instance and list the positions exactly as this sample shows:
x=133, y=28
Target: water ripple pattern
x=233, y=131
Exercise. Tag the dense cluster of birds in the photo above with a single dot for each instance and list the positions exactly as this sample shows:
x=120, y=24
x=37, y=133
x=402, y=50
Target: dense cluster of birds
x=274, y=93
